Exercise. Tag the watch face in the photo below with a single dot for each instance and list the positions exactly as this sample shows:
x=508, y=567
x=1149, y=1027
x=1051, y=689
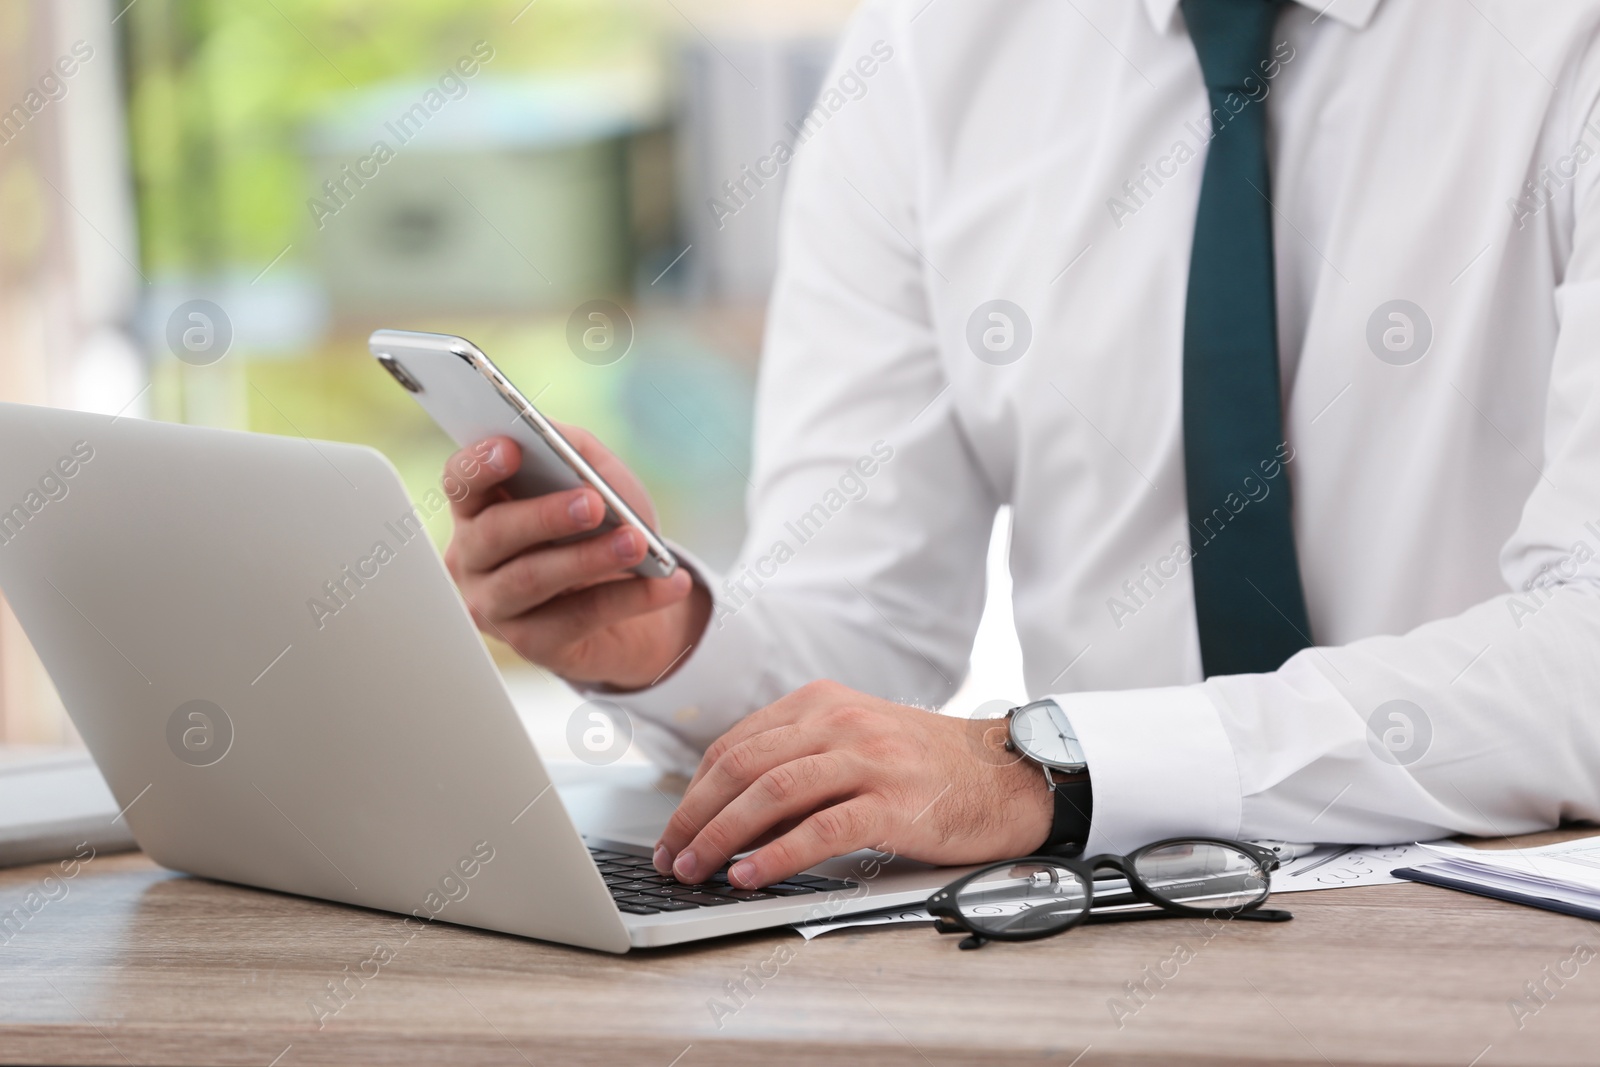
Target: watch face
x=1041, y=732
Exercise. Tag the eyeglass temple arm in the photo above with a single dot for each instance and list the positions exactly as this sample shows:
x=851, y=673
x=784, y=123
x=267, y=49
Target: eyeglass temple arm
x=945, y=925
x=972, y=941
x=1258, y=915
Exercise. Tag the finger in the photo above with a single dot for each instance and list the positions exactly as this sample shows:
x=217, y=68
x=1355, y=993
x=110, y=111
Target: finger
x=590, y=447
x=506, y=529
x=859, y=822
x=775, y=831
x=564, y=622
x=780, y=712
x=788, y=791
x=535, y=577
x=736, y=771
x=473, y=475
x=612, y=469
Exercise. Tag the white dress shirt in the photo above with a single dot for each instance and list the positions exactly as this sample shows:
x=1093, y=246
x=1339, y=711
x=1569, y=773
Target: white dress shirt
x=1444, y=454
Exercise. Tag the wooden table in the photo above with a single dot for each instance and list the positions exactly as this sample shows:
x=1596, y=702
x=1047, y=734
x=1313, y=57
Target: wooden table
x=138, y=965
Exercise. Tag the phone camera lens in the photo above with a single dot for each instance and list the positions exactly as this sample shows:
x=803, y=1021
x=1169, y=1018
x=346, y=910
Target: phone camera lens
x=400, y=374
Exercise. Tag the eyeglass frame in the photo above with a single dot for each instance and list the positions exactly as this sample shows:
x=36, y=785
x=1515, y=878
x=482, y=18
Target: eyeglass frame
x=948, y=919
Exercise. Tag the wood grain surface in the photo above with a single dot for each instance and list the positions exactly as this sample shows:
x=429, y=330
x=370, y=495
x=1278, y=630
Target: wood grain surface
x=133, y=964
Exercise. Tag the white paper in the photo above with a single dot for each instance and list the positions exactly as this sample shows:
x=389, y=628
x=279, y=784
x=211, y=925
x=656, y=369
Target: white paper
x=896, y=917
x=1342, y=866
x=1568, y=870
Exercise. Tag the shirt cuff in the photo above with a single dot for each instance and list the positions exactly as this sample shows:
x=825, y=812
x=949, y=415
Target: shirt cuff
x=710, y=690
x=1160, y=764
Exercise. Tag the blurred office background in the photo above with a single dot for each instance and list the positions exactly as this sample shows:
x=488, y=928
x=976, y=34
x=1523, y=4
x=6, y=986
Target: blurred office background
x=162, y=152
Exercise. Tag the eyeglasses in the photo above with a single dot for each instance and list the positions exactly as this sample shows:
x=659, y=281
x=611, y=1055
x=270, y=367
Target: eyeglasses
x=1040, y=896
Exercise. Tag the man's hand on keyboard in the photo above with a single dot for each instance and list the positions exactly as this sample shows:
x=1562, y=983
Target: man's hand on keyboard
x=827, y=770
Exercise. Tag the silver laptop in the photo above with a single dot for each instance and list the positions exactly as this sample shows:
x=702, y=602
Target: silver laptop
x=283, y=689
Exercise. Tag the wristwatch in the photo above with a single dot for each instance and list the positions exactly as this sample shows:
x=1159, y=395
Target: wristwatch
x=1040, y=732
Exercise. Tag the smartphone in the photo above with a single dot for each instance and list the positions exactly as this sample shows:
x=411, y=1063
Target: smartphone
x=470, y=399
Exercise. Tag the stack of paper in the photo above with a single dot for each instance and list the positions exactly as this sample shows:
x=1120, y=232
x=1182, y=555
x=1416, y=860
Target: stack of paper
x=1563, y=877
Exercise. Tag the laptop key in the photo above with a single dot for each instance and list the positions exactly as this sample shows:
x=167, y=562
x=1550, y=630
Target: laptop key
x=822, y=885
x=707, y=900
x=784, y=889
x=740, y=894
x=671, y=904
x=637, y=909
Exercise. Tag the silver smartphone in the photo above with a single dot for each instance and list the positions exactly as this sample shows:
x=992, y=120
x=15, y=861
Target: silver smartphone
x=470, y=399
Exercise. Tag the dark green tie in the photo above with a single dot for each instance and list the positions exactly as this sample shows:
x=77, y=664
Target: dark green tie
x=1248, y=601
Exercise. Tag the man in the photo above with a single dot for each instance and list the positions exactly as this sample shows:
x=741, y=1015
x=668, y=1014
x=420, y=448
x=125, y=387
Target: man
x=1139, y=270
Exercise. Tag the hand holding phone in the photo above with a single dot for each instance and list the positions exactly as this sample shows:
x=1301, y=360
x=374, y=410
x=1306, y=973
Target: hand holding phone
x=554, y=548
x=568, y=605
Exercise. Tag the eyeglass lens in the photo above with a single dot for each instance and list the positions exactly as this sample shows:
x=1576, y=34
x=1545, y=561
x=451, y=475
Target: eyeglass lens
x=1199, y=874
x=1022, y=898
x=1035, y=896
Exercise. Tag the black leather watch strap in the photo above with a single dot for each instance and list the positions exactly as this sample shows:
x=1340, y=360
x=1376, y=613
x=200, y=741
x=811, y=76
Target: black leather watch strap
x=1074, y=799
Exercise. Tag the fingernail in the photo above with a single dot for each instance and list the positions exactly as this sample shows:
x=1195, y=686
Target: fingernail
x=623, y=545
x=498, y=459
x=743, y=873
x=684, y=867
x=579, y=509
x=662, y=860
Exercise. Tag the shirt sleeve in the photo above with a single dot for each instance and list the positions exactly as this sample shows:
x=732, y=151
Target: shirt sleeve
x=1486, y=723
x=868, y=512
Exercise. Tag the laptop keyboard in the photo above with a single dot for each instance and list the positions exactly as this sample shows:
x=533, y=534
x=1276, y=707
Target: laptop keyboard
x=639, y=890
